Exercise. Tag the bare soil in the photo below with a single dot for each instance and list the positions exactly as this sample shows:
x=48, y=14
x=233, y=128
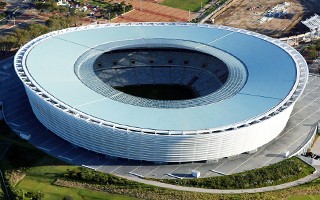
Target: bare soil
x=247, y=13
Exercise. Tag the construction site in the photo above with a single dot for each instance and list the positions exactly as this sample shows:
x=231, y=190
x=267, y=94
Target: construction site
x=274, y=18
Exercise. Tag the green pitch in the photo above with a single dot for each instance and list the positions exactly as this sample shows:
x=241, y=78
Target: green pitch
x=192, y=5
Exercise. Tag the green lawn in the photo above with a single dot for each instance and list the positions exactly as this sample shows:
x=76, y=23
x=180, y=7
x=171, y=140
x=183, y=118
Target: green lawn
x=192, y=5
x=35, y=184
x=40, y=178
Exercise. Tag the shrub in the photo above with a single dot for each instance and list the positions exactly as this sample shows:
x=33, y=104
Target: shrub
x=278, y=173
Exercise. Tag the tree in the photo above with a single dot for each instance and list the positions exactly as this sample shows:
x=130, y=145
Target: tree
x=67, y=198
x=312, y=52
x=2, y=4
x=318, y=45
x=35, y=195
x=22, y=36
x=36, y=30
x=7, y=43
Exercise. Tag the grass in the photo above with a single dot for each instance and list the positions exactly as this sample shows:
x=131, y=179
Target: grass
x=305, y=197
x=35, y=183
x=192, y=5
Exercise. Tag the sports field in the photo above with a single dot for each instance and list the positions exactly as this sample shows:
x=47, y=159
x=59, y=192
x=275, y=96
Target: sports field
x=192, y=5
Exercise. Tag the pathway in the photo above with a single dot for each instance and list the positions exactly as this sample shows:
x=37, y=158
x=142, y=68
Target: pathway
x=304, y=180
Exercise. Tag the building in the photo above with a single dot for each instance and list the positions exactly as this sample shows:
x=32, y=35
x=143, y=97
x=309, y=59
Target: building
x=245, y=86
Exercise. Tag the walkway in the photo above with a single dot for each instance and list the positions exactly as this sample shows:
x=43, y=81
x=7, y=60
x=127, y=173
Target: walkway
x=304, y=180
x=316, y=147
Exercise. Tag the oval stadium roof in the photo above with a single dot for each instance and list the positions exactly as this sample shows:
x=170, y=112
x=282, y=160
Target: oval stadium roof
x=273, y=74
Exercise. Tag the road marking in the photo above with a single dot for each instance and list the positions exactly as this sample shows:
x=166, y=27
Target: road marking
x=118, y=167
x=152, y=170
x=283, y=150
x=210, y=172
x=263, y=148
x=135, y=169
x=170, y=172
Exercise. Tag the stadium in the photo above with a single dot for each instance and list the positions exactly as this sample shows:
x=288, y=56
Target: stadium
x=162, y=92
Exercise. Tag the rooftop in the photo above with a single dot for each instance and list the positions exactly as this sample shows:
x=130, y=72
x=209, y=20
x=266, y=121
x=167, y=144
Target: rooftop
x=272, y=74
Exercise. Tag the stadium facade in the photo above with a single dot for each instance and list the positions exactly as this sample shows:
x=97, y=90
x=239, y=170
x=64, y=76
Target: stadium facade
x=246, y=85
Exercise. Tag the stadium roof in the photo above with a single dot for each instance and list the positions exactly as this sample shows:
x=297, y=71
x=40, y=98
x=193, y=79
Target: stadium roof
x=272, y=74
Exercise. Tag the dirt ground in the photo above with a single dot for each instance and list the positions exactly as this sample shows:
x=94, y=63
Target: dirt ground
x=152, y=11
x=247, y=13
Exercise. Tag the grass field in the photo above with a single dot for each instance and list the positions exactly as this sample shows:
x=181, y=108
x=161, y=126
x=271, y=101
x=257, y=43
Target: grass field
x=192, y=5
x=41, y=176
x=41, y=179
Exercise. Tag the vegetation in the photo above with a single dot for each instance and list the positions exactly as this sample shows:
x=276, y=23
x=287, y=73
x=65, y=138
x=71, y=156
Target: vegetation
x=192, y=5
x=115, y=9
x=3, y=148
x=311, y=51
x=3, y=15
x=2, y=5
x=101, y=8
x=59, y=22
x=19, y=37
x=213, y=8
x=278, y=173
x=48, y=5
x=44, y=178
x=209, y=10
x=88, y=175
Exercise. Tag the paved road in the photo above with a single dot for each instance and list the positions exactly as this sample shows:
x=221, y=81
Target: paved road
x=306, y=179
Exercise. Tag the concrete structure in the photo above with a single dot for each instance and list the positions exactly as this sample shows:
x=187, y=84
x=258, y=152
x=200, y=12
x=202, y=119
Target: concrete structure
x=264, y=79
x=313, y=23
